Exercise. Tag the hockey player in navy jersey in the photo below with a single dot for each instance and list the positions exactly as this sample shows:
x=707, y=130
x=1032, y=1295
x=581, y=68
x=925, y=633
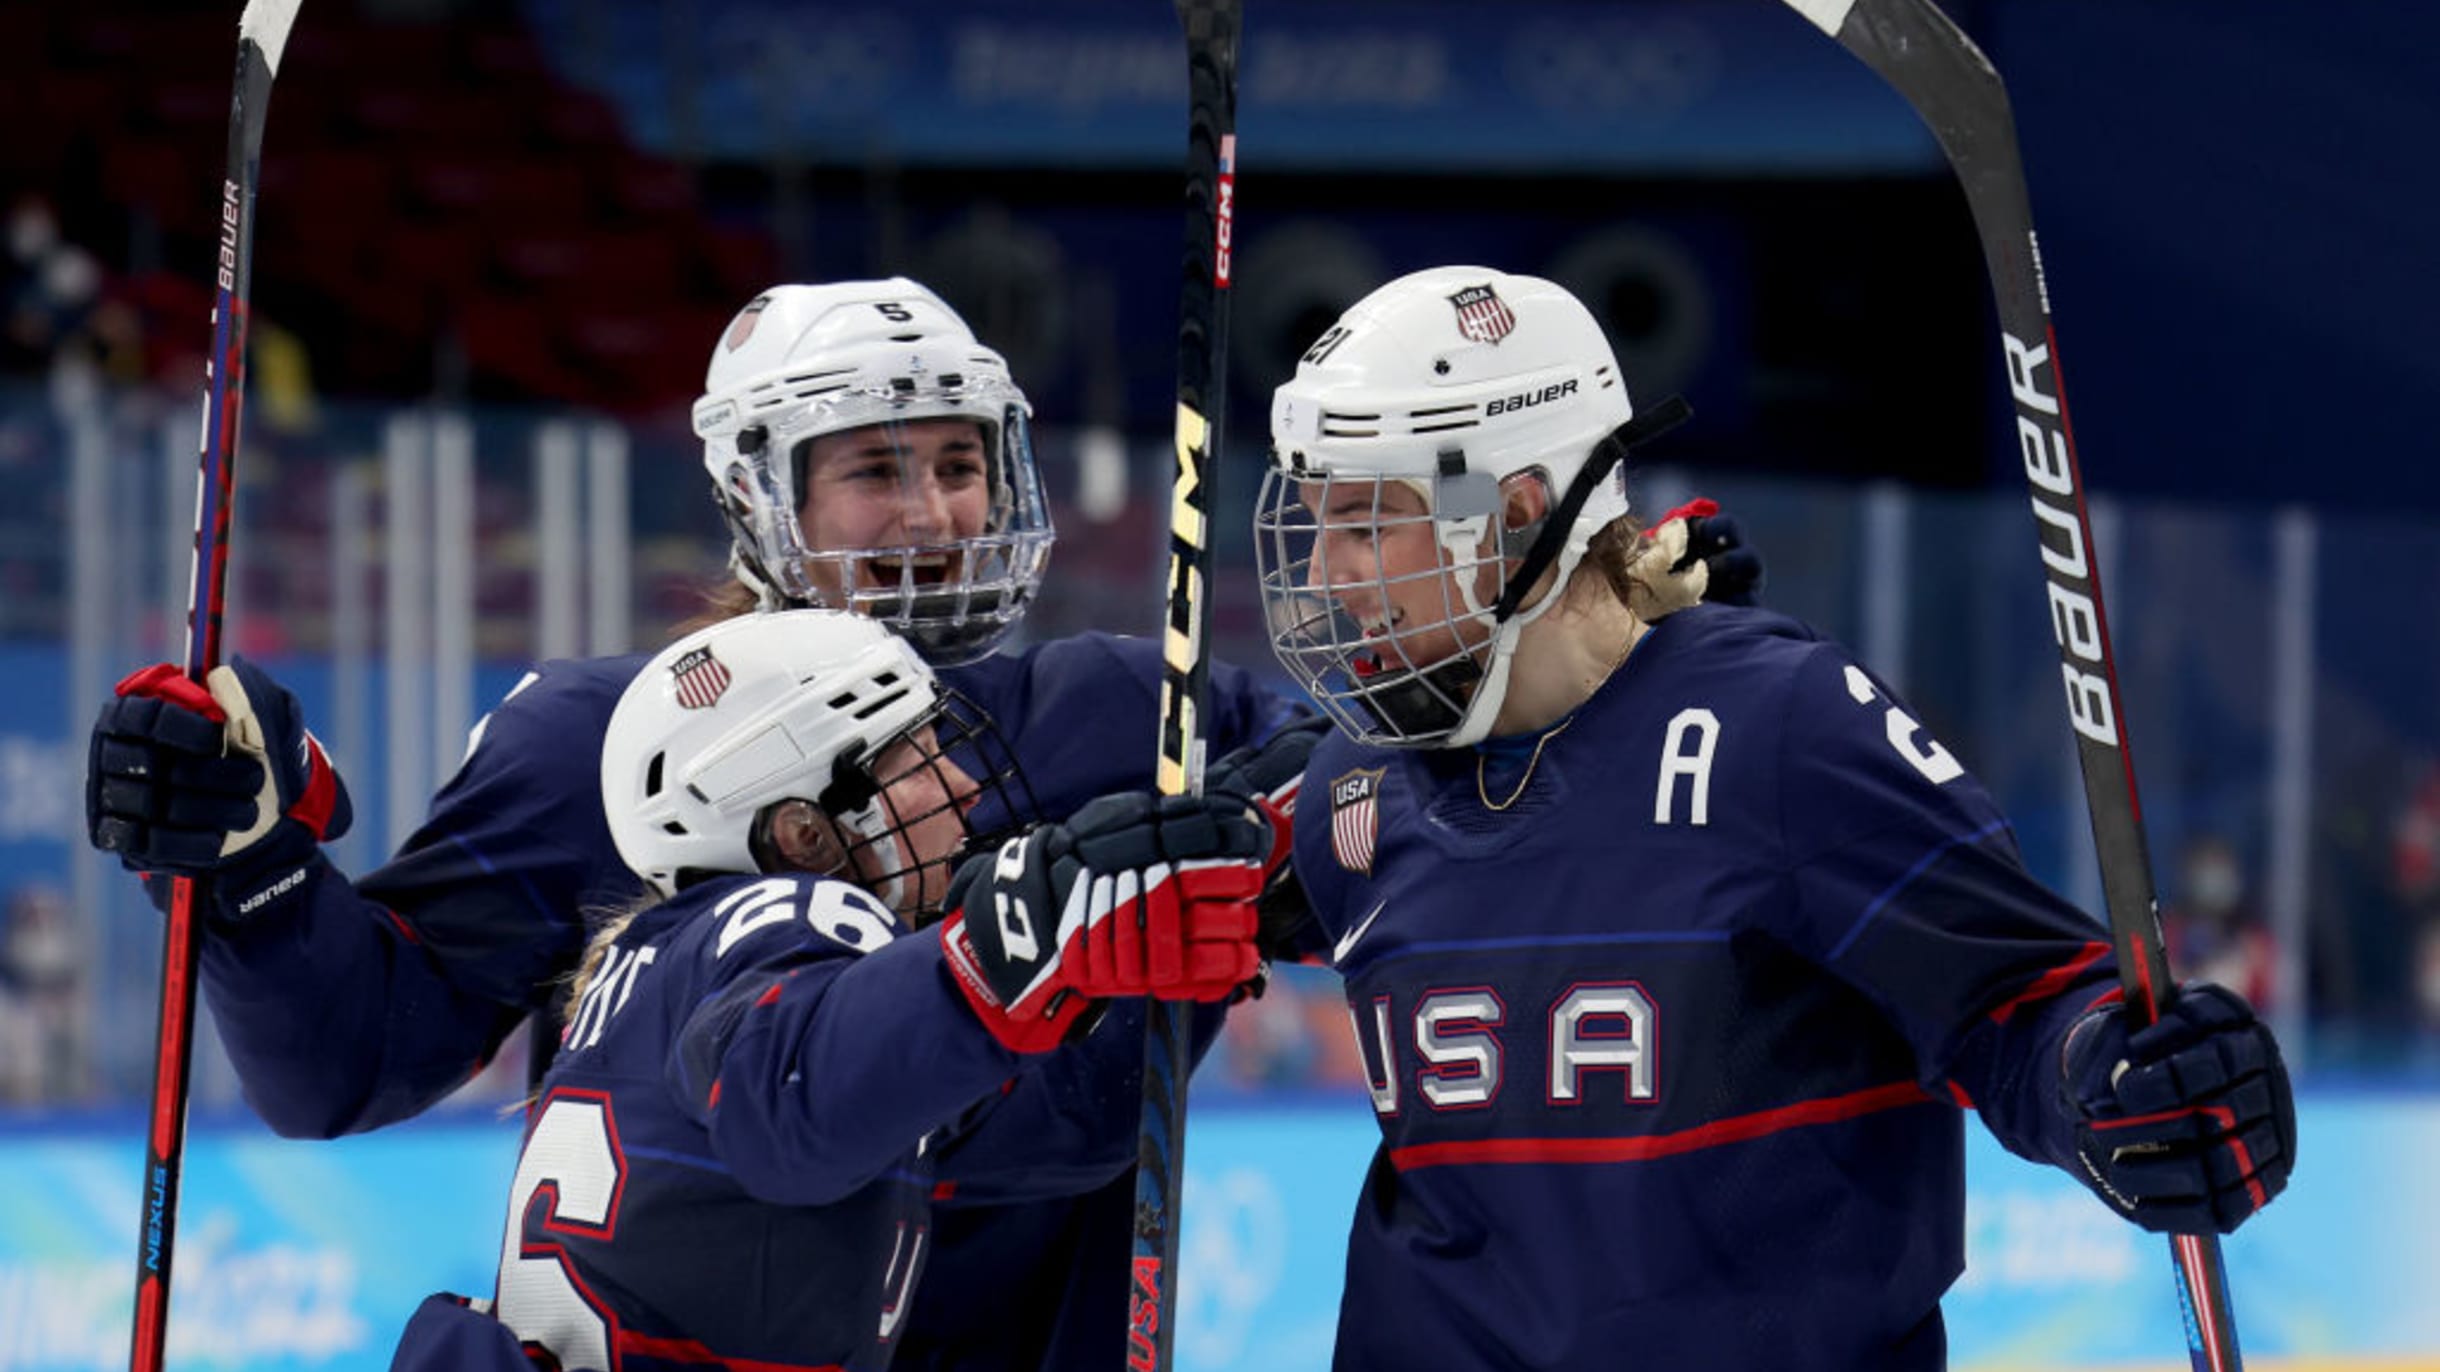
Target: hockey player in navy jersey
x=868, y=453
x=347, y=1005
x=1677, y=952
x=765, y=1076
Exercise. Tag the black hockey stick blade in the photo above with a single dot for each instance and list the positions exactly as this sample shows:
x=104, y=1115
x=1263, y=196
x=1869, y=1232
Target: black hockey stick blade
x=1960, y=96
x=1211, y=153
x=262, y=34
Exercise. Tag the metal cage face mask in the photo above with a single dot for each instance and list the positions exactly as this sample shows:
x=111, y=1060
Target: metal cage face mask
x=945, y=542
x=1383, y=611
x=954, y=770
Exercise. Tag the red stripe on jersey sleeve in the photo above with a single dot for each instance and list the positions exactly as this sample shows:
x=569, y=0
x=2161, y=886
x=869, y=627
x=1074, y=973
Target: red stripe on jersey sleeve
x=2052, y=982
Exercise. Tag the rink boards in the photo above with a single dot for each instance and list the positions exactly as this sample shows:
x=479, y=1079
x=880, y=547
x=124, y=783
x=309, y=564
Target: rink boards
x=294, y=1256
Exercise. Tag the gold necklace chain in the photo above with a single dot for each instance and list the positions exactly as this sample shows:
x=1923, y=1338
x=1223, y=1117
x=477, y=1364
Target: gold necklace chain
x=1481, y=759
x=1482, y=790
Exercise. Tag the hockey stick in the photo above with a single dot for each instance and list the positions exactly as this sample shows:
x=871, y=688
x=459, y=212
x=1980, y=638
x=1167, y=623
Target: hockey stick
x=1211, y=155
x=262, y=31
x=1956, y=91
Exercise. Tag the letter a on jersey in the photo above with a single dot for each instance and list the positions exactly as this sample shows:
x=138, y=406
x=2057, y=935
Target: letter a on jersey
x=1355, y=817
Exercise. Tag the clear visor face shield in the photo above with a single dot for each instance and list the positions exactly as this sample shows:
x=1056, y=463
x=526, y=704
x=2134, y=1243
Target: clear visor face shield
x=1379, y=595
x=922, y=509
x=903, y=816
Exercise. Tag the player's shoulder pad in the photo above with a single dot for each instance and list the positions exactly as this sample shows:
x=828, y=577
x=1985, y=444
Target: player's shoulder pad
x=561, y=693
x=1716, y=634
x=1336, y=759
x=548, y=711
x=1336, y=753
x=1080, y=663
x=1852, y=736
x=1130, y=656
x=563, y=679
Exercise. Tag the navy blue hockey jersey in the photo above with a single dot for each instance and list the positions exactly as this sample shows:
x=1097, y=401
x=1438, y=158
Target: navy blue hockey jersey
x=1668, y=1036
x=394, y=991
x=732, y=1159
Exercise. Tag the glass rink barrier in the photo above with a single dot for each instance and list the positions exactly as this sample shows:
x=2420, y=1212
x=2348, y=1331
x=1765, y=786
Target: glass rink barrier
x=400, y=568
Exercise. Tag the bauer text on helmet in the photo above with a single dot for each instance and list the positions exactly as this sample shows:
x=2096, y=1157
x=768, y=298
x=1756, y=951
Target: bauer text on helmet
x=1417, y=455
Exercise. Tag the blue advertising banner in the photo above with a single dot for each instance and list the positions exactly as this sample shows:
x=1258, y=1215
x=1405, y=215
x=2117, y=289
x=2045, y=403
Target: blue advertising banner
x=1674, y=85
x=289, y=1256
x=312, y=1255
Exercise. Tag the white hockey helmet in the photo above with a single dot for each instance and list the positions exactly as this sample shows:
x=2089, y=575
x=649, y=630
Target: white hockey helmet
x=802, y=361
x=1449, y=381
x=731, y=719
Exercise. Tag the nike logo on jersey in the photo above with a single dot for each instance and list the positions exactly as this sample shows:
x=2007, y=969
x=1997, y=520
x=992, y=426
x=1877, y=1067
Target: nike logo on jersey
x=1347, y=941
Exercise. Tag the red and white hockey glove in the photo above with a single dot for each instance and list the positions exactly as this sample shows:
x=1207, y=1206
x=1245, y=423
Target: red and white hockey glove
x=1136, y=895
x=224, y=781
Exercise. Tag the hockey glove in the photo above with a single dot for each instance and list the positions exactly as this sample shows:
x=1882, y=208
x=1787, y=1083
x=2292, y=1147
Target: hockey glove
x=1135, y=895
x=226, y=781
x=1270, y=773
x=1694, y=553
x=1718, y=540
x=2186, y=1126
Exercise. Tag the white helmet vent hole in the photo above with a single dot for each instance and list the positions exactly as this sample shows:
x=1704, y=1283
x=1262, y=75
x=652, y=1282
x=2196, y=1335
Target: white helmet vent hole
x=652, y=774
x=879, y=703
x=674, y=827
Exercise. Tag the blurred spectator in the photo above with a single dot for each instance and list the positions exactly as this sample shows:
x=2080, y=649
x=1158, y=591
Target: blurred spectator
x=51, y=286
x=1266, y=1043
x=2214, y=930
x=1295, y=1036
x=2414, y=866
x=42, y=993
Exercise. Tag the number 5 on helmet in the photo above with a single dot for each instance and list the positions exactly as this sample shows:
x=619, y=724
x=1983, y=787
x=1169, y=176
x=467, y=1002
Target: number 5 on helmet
x=1137, y=895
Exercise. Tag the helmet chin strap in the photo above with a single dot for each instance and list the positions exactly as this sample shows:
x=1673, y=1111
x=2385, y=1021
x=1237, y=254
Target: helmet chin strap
x=872, y=824
x=853, y=800
x=1560, y=522
x=1556, y=540
x=1484, y=705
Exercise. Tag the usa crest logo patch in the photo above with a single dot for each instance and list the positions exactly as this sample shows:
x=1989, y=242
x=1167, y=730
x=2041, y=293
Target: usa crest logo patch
x=743, y=327
x=1355, y=817
x=1482, y=315
x=700, y=679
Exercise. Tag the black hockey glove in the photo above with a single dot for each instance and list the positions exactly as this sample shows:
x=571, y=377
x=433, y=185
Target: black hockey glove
x=1732, y=569
x=1736, y=569
x=224, y=782
x=1691, y=554
x=1270, y=772
x=2187, y=1126
x=1136, y=895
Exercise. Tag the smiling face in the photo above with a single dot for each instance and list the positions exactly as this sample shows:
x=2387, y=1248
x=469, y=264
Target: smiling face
x=1378, y=557
x=919, y=486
